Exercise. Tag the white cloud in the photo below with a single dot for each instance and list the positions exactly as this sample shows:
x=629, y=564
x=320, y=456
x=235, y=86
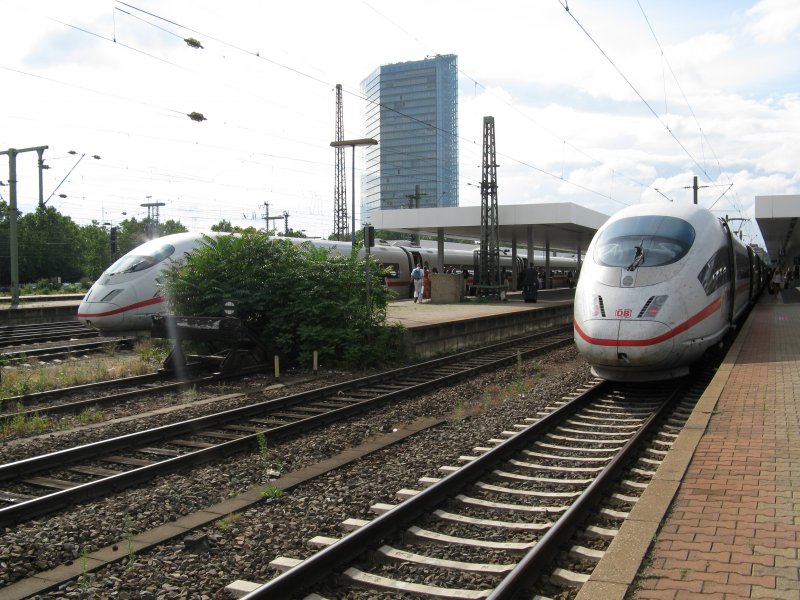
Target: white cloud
x=561, y=108
x=775, y=21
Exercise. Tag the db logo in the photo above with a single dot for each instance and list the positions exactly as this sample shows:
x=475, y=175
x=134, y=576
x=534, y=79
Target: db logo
x=623, y=313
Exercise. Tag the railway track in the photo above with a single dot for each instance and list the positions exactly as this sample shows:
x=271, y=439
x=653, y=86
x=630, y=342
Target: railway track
x=73, y=349
x=13, y=336
x=44, y=484
x=75, y=399
x=504, y=525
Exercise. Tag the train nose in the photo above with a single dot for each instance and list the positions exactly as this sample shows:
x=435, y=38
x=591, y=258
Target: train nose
x=101, y=315
x=644, y=344
x=625, y=344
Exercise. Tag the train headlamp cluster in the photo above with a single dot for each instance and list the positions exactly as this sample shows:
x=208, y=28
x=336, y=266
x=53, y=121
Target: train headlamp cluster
x=651, y=307
x=648, y=311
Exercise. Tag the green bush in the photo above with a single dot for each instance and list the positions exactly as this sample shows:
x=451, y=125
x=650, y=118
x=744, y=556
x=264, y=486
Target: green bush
x=298, y=299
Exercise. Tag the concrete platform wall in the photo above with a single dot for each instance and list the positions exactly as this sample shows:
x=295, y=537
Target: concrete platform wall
x=430, y=340
x=25, y=314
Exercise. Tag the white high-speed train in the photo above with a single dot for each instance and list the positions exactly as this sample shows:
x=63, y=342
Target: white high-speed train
x=127, y=294
x=660, y=285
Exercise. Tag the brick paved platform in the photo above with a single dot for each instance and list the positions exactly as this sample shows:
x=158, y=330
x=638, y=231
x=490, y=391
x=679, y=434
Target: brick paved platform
x=722, y=517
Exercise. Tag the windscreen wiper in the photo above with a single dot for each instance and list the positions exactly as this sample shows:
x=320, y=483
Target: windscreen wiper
x=638, y=258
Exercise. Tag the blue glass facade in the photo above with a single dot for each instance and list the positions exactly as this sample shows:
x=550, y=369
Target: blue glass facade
x=412, y=110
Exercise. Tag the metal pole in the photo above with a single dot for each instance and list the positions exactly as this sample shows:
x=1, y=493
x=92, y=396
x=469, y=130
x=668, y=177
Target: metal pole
x=353, y=144
x=366, y=269
x=40, y=152
x=12, y=217
x=353, y=186
x=12, y=225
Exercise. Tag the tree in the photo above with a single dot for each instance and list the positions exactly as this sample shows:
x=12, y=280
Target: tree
x=5, y=251
x=95, y=250
x=294, y=233
x=223, y=225
x=297, y=298
x=171, y=226
x=132, y=233
x=48, y=246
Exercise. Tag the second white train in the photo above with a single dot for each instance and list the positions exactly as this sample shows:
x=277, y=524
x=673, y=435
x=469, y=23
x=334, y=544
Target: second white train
x=127, y=294
x=659, y=286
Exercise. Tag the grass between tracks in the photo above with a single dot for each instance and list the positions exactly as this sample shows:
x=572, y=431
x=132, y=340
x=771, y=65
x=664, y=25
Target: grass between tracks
x=524, y=378
x=17, y=380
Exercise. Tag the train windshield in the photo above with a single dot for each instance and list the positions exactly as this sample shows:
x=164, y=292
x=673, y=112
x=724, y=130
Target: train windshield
x=132, y=263
x=646, y=241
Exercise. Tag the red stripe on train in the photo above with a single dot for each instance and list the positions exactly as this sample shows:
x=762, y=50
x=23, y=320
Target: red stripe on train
x=116, y=311
x=691, y=322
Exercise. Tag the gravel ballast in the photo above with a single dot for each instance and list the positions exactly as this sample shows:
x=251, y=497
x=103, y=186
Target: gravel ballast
x=241, y=546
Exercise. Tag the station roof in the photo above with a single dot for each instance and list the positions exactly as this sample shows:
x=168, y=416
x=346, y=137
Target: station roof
x=777, y=219
x=565, y=225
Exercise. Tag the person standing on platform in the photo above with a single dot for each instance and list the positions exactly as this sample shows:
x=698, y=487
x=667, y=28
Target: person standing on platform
x=426, y=283
x=530, y=285
x=417, y=276
x=777, y=281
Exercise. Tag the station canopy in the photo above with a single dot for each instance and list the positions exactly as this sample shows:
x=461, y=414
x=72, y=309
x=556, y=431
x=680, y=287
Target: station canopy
x=564, y=225
x=777, y=219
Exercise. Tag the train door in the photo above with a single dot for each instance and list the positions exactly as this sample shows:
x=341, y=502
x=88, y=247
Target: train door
x=521, y=265
x=731, y=271
x=414, y=258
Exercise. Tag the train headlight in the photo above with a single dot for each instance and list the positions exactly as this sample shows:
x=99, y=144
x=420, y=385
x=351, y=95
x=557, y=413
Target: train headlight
x=652, y=306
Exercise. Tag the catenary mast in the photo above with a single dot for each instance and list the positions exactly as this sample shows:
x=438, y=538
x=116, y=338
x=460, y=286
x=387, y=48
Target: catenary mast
x=489, y=267
x=341, y=230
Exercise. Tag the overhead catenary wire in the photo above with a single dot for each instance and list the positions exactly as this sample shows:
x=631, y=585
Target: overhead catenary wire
x=631, y=86
x=703, y=138
x=702, y=169
x=359, y=95
x=521, y=162
x=523, y=114
x=202, y=144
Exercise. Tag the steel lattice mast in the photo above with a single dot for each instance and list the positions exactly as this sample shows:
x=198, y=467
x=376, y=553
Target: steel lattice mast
x=490, y=235
x=341, y=230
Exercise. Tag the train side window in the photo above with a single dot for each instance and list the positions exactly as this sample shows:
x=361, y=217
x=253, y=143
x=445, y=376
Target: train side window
x=714, y=273
x=393, y=270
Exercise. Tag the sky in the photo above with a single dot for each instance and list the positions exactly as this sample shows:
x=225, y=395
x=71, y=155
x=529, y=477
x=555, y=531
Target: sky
x=605, y=103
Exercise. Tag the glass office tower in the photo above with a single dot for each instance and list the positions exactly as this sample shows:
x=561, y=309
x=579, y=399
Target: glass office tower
x=412, y=110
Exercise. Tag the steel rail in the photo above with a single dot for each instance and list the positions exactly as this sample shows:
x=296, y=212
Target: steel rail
x=53, y=352
x=320, y=565
x=78, y=389
x=26, y=327
x=139, y=379
x=79, y=405
x=60, y=459
x=538, y=557
x=101, y=400
x=13, y=341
